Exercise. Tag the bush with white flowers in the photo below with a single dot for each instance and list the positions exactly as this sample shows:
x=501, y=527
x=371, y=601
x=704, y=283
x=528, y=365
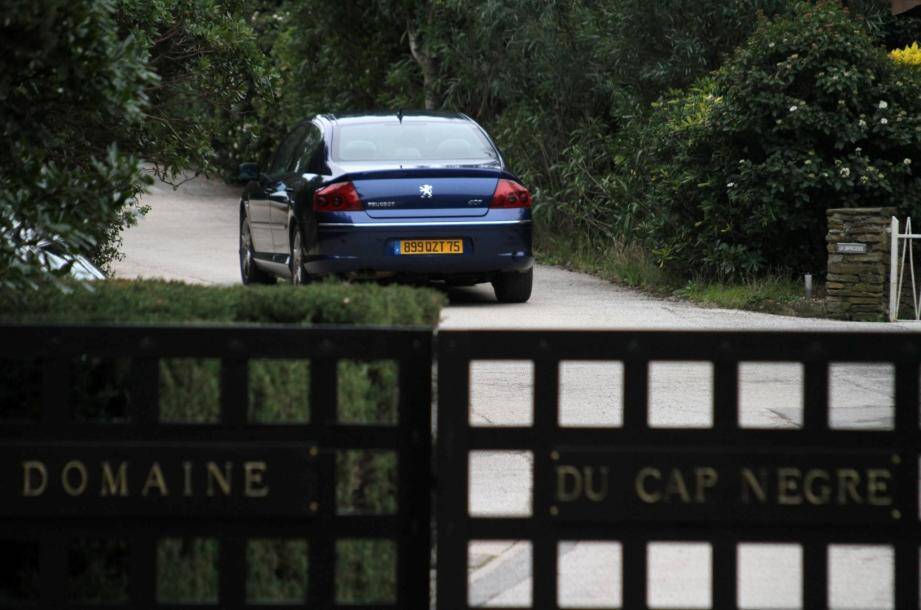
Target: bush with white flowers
x=813, y=115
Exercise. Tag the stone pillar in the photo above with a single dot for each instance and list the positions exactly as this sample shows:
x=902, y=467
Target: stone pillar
x=858, y=263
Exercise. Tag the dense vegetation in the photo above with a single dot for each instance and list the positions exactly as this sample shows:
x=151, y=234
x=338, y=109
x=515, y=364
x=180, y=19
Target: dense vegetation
x=189, y=392
x=589, y=100
x=809, y=114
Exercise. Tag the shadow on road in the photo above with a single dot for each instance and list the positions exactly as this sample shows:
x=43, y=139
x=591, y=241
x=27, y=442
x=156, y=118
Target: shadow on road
x=469, y=295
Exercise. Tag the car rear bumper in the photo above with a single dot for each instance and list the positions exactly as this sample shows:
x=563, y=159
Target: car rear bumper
x=491, y=245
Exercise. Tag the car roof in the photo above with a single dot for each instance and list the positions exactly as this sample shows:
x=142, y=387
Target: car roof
x=394, y=116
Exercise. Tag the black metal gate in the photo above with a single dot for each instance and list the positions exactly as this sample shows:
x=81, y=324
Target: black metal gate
x=279, y=482
x=631, y=457
x=750, y=485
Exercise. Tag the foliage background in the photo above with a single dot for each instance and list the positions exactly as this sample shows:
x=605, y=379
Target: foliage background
x=576, y=92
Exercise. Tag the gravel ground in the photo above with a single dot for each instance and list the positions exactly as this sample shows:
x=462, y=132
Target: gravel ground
x=191, y=235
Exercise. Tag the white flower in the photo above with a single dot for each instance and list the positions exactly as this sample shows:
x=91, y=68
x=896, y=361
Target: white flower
x=845, y=172
x=884, y=121
x=862, y=123
x=858, y=150
x=864, y=180
x=793, y=108
x=771, y=45
x=730, y=185
x=883, y=105
x=808, y=162
x=907, y=161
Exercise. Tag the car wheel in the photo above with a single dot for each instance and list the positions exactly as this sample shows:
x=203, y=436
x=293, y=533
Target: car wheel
x=249, y=272
x=298, y=275
x=513, y=287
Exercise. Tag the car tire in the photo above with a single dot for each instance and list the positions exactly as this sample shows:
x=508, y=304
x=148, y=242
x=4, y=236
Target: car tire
x=250, y=273
x=296, y=242
x=513, y=287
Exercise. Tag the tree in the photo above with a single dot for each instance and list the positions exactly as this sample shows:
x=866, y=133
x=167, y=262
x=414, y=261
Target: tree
x=72, y=96
x=214, y=81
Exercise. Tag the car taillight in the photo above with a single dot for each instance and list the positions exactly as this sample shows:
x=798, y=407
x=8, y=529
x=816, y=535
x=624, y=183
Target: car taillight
x=510, y=194
x=339, y=197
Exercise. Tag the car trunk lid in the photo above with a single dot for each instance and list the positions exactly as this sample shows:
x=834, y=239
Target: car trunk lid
x=426, y=192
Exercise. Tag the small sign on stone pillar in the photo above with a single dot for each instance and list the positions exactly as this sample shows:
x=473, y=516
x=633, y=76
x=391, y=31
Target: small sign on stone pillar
x=858, y=258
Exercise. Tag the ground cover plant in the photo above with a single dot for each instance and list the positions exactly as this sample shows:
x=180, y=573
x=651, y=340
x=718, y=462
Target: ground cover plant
x=189, y=392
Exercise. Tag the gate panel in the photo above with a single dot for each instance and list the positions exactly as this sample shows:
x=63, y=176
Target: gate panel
x=280, y=479
x=751, y=484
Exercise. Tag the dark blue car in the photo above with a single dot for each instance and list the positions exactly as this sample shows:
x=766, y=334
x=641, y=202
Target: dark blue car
x=422, y=197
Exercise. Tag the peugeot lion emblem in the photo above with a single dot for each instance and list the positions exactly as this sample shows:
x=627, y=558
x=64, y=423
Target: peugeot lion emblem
x=426, y=190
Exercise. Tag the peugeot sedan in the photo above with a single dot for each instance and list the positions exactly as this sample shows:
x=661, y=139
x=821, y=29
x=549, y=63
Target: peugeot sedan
x=422, y=197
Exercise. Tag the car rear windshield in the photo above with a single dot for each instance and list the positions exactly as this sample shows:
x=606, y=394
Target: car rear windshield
x=411, y=141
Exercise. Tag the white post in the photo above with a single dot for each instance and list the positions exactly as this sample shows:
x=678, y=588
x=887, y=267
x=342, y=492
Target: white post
x=893, y=270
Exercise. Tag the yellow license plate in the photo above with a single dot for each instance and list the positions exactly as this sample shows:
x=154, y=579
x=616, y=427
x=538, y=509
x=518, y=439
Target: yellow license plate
x=431, y=246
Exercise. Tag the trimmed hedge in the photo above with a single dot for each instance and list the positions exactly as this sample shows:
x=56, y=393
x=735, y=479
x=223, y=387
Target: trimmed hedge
x=159, y=302
x=189, y=392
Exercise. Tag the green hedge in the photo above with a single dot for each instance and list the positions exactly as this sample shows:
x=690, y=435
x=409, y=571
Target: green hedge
x=158, y=302
x=189, y=391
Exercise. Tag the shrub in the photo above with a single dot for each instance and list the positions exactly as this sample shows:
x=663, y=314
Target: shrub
x=809, y=114
x=70, y=89
x=189, y=392
x=910, y=55
x=160, y=302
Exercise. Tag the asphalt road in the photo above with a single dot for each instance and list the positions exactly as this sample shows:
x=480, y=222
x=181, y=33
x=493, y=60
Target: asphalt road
x=191, y=235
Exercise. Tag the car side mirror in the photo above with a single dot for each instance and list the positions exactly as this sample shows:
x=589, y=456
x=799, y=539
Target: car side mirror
x=249, y=172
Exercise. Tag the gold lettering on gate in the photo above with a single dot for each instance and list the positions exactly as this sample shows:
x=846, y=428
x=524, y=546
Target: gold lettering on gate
x=222, y=479
x=187, y=479
x=878, y=493
x=817, y=495
x=252, y=480
x=113, y=479
x=112, y=484
x=782, y=486
x=568, y=483
x=642, y=492
x=78, y=467
x=707, y=478
x=29, y=489
x=155, y=479
x=753, y=485
x=675, y=485
x=788, y=489
x=848, y=480
x=574, y=484
x=596, y=491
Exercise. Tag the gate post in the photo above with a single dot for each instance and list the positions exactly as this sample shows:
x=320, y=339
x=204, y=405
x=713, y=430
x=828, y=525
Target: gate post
x=893, y=269
x=857, y=245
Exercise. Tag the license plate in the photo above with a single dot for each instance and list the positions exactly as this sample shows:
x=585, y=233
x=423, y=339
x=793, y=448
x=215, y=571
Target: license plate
x=431, y=246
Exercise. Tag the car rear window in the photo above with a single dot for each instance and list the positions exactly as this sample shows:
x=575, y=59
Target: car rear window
x=411, y=141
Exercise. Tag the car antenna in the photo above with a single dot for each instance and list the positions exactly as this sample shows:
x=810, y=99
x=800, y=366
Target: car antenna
x=400, y=115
